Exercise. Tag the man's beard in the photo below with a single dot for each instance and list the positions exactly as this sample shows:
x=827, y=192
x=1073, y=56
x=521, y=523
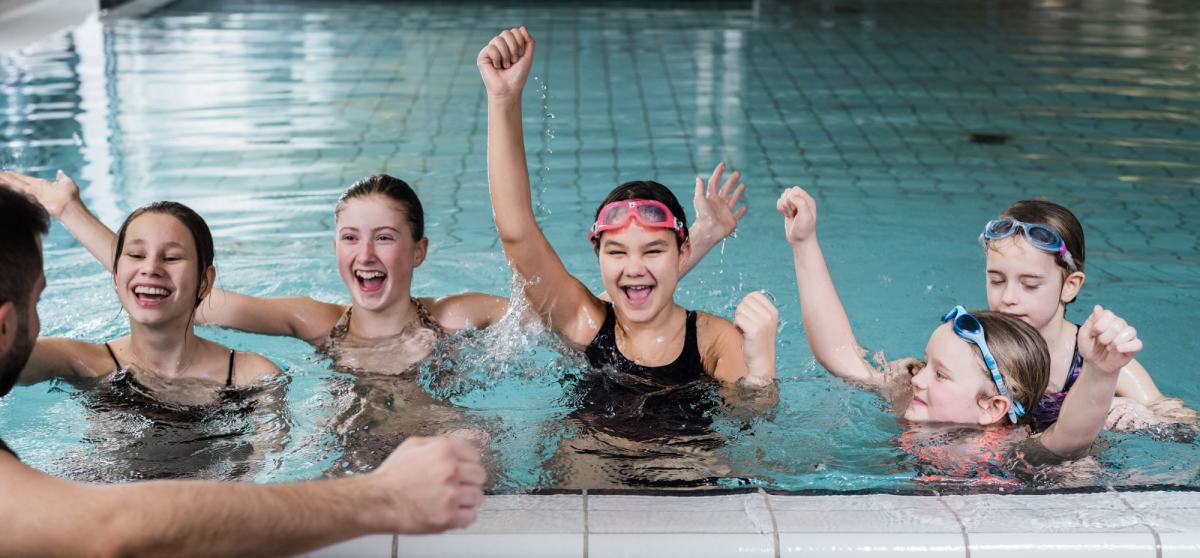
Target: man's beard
x=12, y=362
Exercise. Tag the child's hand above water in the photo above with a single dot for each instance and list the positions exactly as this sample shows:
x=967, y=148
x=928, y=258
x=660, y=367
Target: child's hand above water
x=758, y=320
x=716, y=216
x=504, y=63
x=1107, y=342
x=55, y=196
x=799, y=212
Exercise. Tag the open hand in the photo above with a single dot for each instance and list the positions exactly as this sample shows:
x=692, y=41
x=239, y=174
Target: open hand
x=716, y=203
x=53, y=196
x=504, y=63
x=1107, y=342
x=799, y=211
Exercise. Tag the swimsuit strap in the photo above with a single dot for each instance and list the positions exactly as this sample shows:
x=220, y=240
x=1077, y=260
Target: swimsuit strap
x=342, y=327
x=427, y=320
x=229, y=379
x=1076, y=367
x=424, y=318
x=112, y=355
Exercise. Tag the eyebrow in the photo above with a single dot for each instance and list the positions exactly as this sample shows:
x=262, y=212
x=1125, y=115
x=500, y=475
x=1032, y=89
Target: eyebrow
x=383, y=228
x=1019, y=276
x=140, y=241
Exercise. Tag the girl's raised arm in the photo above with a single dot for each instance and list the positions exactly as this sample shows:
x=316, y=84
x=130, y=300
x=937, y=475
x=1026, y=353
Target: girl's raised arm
x=299, y=317
x=61, y=200
x=1107, y=344
x=554, y=294
x=825, y=322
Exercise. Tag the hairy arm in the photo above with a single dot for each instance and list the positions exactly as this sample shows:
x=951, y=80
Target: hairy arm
x=825, y=321
x=558, y=297
x=427, y=485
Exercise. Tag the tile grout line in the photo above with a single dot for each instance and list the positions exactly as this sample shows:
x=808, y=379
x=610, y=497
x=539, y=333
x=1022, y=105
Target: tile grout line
x=585, y=523
x=395, y=545
x=1142, y=520
x=962, y=526
x=774, y=522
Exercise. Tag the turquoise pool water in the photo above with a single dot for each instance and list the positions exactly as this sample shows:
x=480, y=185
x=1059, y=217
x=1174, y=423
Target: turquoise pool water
x=259, y=115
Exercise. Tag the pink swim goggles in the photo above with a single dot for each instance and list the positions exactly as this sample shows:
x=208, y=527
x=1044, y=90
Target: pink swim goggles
x=649, y=213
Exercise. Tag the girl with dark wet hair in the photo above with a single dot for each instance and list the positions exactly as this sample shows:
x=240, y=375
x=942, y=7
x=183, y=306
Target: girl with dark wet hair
x=162, y=266
x=641, y=240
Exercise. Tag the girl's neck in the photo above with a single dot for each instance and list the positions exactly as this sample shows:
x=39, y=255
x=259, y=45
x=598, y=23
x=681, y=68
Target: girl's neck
x=656, y=327
x=384, y=322
x=1057, y=329
x=162, y=350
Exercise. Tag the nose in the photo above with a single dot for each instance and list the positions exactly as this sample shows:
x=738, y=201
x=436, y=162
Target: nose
x=634, y=266
x=150, y=266
x=367, y=251
x=1009, y=297
x=920, y=380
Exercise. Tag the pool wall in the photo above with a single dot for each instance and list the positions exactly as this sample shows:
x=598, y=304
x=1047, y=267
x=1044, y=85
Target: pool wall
x=1150, y=524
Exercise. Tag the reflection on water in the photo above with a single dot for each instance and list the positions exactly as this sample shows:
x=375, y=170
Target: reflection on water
x=259, y=114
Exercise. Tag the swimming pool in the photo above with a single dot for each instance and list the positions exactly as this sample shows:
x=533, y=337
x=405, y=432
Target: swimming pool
x=911, y=123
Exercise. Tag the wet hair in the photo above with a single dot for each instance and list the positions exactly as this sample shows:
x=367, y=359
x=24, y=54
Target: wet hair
x=194, y=223
x=393, y=189
x=1058, y=218
x=22, y=222
x=1022, y=356
x=645, y=190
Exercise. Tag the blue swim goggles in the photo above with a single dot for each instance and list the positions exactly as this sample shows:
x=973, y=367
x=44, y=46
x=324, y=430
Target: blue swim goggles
x=1040, y=236
x=968, y=327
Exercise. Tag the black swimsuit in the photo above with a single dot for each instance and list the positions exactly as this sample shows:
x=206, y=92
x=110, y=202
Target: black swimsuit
x=228, y=378
x=4, y=448
x=644, y=402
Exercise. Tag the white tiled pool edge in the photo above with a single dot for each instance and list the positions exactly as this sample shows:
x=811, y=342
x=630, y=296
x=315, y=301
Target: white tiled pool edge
x=1116, y=524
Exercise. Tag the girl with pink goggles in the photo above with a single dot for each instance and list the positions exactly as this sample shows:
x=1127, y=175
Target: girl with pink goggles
x=649, y=213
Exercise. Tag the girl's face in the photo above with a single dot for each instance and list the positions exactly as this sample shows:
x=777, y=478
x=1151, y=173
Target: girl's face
x=156, y=275
x=1026, y=283
x=640, y=268
x=376, y=253
x=950, y=386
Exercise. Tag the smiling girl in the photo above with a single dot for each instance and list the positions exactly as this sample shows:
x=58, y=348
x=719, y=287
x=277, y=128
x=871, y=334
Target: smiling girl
x=162, y=271
x=641, y=241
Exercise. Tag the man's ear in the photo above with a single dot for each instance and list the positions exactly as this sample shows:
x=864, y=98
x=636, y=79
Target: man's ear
x=993, y=409
x=8, y=326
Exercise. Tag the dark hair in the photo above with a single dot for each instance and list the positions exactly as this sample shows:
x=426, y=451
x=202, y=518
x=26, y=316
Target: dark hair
x=645, y=190
x=394, y=189
x=1021, y=355
x=193, y=221
x=1056, y=217
x=22, y=222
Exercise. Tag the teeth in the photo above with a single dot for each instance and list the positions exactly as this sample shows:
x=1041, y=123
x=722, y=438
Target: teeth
x=368, y=274
x=153, y=291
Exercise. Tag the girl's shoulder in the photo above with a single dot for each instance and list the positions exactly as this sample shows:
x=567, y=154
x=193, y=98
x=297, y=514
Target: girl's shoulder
x=251, y=368
x=465, y=310
x=239, y=367
x=88, y=360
